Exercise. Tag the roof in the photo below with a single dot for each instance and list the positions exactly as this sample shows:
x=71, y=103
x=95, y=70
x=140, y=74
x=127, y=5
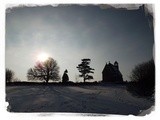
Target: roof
x=111, y=67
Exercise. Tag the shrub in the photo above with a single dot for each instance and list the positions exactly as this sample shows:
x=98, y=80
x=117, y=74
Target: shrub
x=143, y=79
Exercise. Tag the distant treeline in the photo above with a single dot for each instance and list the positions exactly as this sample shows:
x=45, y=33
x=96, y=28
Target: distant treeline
x=58, y=83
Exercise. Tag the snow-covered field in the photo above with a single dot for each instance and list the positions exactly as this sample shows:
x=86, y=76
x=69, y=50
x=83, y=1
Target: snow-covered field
x=111, y=99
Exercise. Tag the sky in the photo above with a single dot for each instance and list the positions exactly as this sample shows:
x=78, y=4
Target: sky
x=69, y=33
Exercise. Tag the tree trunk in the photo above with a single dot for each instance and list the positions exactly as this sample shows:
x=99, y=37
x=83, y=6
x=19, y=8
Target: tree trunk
x=47, y=75
x=47, y=80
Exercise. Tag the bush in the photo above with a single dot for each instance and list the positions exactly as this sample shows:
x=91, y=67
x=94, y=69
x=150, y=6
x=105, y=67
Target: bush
x=143, y=79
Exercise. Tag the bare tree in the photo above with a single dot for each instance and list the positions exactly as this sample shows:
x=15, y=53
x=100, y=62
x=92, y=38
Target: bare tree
x=85, y=69
x=47, y=70
x=9, y=75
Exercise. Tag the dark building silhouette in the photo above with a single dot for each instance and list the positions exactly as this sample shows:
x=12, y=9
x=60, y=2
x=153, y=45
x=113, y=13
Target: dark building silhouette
x=111, y=73
x=65, y=77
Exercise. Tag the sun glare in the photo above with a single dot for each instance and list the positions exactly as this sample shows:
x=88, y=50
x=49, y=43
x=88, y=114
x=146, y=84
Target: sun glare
x=42, y=57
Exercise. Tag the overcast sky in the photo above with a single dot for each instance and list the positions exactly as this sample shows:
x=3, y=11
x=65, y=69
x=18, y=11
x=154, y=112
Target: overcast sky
x=70, y=33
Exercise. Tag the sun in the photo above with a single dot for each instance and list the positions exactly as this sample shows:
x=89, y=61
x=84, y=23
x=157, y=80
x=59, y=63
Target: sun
x=42, y=57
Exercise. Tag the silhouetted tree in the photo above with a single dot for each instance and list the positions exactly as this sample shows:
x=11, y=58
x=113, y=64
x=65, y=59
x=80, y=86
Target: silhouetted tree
x=9, y=75
x=47, y=70
x=65, y=77
x=85, y=69
x=143, y=76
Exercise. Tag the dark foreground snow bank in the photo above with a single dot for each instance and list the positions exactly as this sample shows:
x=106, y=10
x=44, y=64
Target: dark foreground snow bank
x=75, y=99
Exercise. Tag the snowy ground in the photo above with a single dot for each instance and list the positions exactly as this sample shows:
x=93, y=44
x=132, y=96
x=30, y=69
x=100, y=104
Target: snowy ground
x=75, y=99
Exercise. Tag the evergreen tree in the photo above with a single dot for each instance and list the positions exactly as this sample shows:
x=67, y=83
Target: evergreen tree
x=85, y=69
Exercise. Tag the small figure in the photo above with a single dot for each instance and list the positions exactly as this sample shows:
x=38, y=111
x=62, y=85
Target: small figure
x=65, y=77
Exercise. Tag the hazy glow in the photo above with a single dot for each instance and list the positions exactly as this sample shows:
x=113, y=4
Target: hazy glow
x=71, y=33
x=42, y=57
